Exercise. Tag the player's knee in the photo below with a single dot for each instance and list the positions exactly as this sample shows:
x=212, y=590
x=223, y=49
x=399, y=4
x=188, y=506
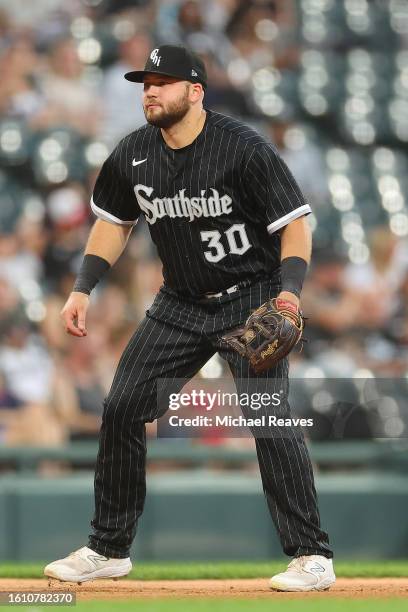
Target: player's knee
x=113, y=411
x=119, y=409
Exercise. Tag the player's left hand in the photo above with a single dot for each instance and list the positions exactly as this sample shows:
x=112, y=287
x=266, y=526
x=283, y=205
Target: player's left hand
x=268, y=334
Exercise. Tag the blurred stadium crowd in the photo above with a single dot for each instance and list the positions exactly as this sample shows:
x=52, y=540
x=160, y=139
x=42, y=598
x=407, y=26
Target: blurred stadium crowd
x=326, y=81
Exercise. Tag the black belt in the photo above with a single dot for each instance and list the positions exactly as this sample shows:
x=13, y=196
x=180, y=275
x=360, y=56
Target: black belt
x=232, y=289
x=219, y=294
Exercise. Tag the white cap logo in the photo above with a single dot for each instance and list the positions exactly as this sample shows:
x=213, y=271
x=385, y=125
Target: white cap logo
x=154, y=57
x=193, y=73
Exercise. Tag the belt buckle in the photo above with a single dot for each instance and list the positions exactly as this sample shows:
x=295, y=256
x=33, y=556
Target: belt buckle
x=221, y=293
x=232, y=289
x=209, y=296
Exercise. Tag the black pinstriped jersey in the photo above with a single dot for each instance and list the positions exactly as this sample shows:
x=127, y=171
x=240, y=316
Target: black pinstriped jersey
x=213, y=208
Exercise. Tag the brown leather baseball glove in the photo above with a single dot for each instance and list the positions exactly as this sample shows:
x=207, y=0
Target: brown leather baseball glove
x=269, y=334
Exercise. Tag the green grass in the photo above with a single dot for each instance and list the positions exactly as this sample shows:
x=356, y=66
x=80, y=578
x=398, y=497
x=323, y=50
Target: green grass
x=254, y=606
x=177, y=571
x=233, y=569
x=210, y=605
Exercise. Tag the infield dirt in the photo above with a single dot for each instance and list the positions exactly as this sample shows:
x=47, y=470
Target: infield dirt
x=354, y=588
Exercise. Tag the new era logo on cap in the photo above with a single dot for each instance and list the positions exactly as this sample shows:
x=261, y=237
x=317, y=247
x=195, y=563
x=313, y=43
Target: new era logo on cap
x=172, y=60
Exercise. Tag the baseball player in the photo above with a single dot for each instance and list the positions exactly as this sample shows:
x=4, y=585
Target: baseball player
x=228, y=221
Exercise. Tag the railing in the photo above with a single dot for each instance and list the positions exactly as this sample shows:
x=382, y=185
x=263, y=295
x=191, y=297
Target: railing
x=375, y=454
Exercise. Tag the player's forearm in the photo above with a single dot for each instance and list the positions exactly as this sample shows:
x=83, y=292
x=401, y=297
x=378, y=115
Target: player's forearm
x=107, y=240
x=296, y=240
x=105, y=244
x=296, y=246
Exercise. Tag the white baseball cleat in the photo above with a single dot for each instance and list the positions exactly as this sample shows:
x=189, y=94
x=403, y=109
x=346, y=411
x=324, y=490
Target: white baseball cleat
x=307, y=573
x=85, y=564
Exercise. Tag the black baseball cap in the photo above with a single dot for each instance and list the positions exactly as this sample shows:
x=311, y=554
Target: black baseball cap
x=172, y=60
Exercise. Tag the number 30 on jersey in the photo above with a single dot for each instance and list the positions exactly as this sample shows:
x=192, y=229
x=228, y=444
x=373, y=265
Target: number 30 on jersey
x=237, y=240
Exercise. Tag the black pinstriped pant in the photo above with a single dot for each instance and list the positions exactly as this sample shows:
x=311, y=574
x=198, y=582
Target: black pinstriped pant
x=176, y=338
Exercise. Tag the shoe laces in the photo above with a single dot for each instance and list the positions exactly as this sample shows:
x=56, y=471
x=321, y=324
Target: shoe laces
x=82, y=555
x=76, y=553
x=298, y=563
x=81, y=552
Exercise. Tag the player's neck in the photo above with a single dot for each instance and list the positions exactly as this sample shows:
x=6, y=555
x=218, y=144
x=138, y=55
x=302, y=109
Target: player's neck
x=185, y=131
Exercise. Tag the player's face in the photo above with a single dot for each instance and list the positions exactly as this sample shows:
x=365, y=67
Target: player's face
x=165, y=100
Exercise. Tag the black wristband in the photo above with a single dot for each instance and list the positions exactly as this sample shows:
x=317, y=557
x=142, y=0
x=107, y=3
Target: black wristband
x=293, y=272
x=91, y=271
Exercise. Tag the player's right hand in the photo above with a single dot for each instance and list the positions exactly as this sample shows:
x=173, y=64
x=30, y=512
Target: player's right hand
x=74, y=314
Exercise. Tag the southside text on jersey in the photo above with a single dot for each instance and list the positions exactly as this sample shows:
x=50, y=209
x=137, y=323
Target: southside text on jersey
x=182, y=206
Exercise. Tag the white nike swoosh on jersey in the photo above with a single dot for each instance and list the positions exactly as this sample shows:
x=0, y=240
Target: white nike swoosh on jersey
x=136, y=163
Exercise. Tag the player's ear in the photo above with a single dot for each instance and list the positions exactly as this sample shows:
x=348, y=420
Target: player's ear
x=196, y=91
